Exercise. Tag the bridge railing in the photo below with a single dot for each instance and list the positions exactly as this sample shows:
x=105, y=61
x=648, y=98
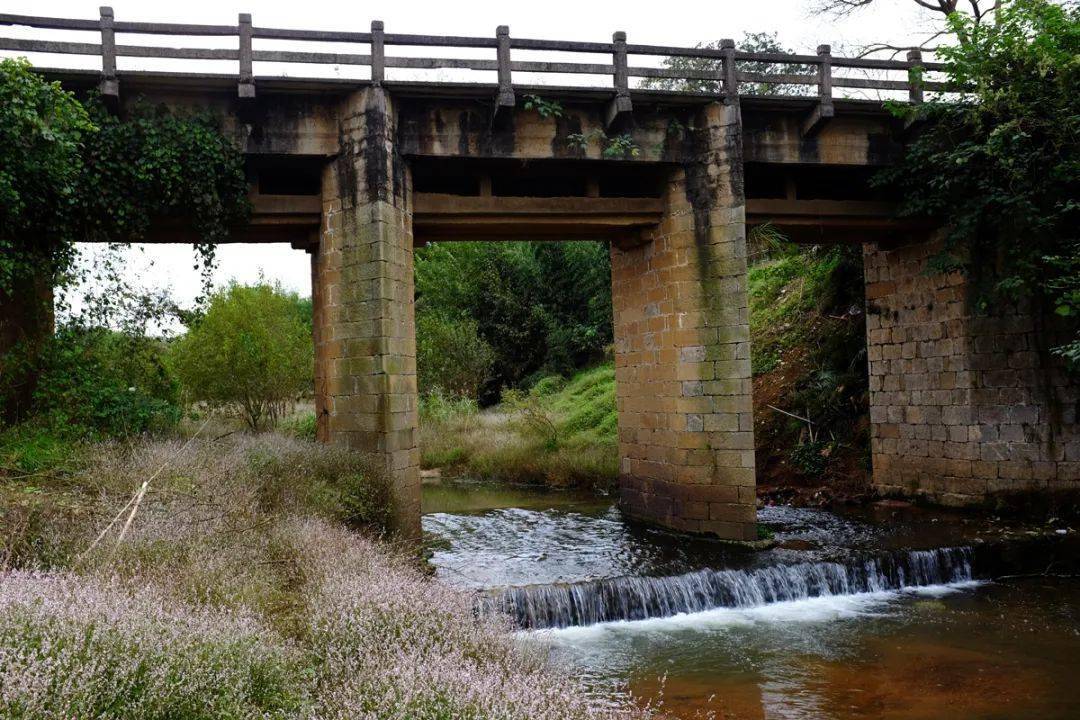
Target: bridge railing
x=719, y=71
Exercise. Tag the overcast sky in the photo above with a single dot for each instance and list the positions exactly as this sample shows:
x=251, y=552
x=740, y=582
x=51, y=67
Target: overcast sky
x=684, y=23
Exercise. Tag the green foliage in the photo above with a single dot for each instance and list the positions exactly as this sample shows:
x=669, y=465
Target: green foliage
x=451, y=355
x=541, y=307
x=750, y=42
x=250, y=351
x=71, y=172
x=544, y=108
x=810, y=457
x=301, y=426
x=612, y=147
x=154, y=164
x=1001, y=163
x=42, y=129
x=99, y=383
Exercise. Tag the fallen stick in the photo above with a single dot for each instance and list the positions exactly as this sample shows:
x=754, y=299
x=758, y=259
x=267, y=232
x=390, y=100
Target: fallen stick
x=137, y=498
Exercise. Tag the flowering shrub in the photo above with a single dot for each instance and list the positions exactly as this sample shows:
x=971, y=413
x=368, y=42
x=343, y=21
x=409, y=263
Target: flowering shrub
x=396, y=645
x=238, y=593
x=74, y=647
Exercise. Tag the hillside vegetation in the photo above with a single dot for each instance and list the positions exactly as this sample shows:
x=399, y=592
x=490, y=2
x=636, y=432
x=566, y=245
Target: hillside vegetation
x=808, y=349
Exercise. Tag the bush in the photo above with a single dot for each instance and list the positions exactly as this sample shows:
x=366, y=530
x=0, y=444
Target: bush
x=810, y=457
x=251, y=351
x=332, y=482
x=300, y=426
x=450, y=355
x=102, y=383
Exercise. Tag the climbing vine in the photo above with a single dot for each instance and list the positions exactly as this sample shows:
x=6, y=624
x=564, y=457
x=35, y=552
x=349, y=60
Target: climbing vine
x=71, y=171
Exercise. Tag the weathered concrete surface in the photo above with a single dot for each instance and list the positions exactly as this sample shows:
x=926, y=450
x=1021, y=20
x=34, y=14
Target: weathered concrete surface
x=682, y=348
x=447, y=129
x=364, y=324
x=963, y=405
x=776, y=137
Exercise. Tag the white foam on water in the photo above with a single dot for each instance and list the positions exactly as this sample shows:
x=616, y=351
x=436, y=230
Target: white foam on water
x=825, y=608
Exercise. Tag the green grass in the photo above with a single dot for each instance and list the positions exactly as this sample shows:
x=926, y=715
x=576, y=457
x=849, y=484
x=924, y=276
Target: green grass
x=563, y=432
x=28, y=449
x=787, y=293
x=585, y=407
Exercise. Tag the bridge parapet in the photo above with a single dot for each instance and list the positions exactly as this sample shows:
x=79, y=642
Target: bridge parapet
x=721, y=72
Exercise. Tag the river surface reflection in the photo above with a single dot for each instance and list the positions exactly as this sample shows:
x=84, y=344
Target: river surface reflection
x=928, y=643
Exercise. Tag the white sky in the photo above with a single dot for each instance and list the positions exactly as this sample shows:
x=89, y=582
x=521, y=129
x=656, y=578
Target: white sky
x=685, y=23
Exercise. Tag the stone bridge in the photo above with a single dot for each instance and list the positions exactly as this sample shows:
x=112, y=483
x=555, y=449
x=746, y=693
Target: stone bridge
x=358, y=172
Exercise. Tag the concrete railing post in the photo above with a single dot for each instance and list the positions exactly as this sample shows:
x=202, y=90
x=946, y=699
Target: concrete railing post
x=506, y=86
x=729, y=70
x=110, y=86
x=915, y=88
x=246, y=88
x=378, y=52
x=620, y=106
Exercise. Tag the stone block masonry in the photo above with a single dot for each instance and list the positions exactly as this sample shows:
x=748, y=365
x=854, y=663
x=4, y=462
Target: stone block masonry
x=963, y=405
x=682, y=349
x=364, y=326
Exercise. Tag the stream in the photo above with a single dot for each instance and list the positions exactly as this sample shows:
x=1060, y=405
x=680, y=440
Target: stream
x=874, y=613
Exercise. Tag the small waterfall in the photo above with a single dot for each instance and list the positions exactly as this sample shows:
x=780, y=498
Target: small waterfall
x=638, y=598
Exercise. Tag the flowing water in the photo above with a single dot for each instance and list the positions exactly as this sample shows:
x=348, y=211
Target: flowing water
x=881, y=614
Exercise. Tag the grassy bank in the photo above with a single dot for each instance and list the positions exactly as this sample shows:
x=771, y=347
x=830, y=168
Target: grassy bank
x=808, y=349
x=561, y=432
x=251, y=583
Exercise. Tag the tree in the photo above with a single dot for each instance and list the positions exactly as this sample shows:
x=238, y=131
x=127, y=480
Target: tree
x=1000, y=164
x=978, y=12
x=250, y=351
x=42, y=128
x=450, y=355
x=541, y=307
x=751, y=42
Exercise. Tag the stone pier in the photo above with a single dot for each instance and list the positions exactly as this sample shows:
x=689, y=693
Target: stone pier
x=963, y=404
x=363, y=301
x=682, y=348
